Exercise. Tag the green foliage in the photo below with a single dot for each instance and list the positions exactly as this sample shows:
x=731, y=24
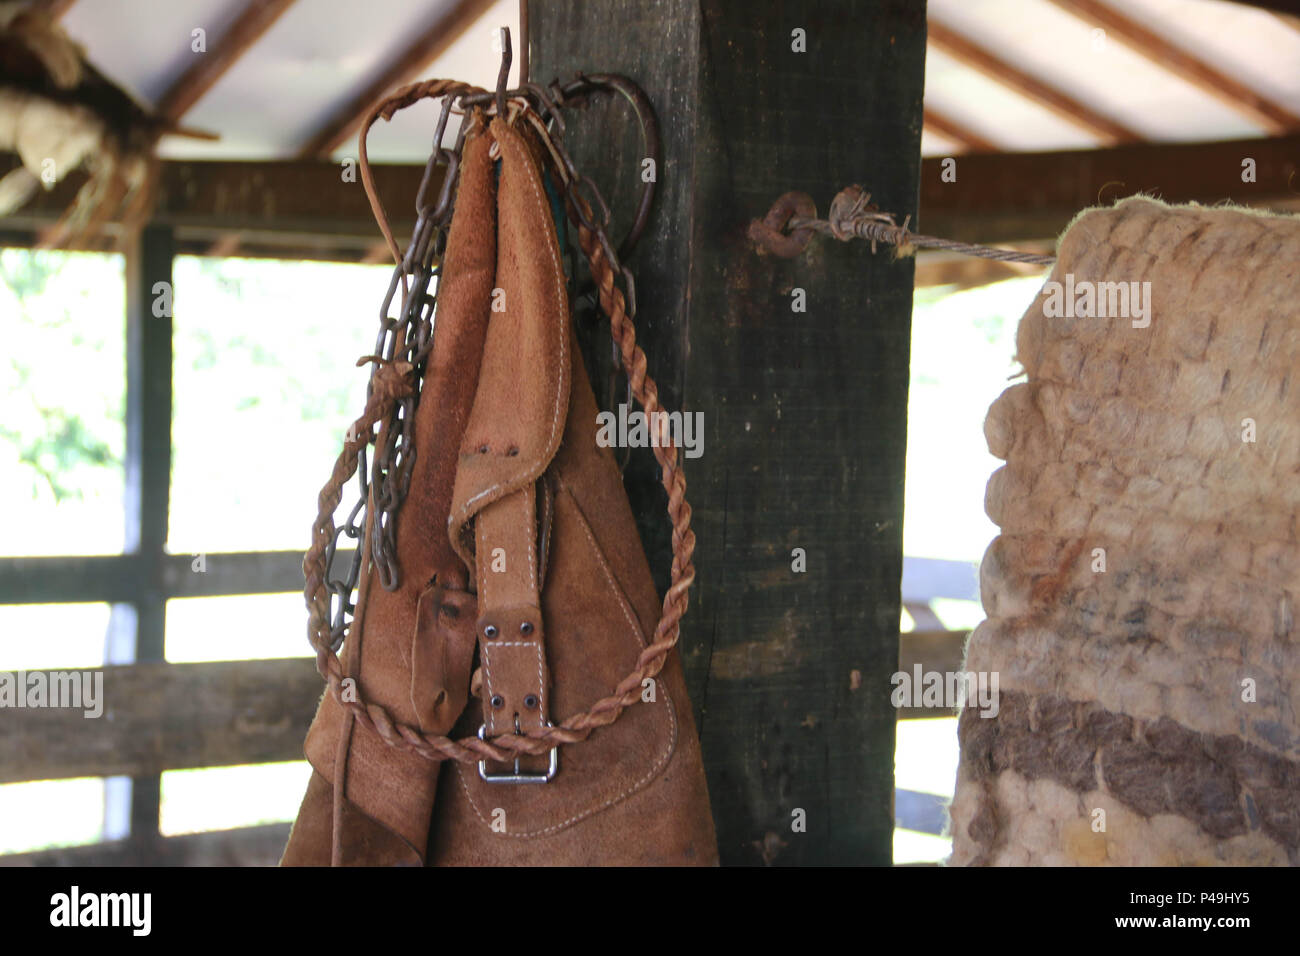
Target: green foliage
x=64, y=374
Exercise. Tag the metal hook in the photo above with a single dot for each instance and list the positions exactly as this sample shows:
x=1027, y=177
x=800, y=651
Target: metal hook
x=503, y=74
x=645, y=114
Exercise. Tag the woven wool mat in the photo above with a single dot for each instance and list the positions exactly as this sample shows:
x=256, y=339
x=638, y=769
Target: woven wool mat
x=1141, y=597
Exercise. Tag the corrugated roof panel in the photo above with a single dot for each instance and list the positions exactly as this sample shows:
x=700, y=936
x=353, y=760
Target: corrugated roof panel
x=1003, y=117
x=472, y=59
x=307, y=67
x=1100, y=72
x=144, y=46
x=321, y=53
x=1254, y=46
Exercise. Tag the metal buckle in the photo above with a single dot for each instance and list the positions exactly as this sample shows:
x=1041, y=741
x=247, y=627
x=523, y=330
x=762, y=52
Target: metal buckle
x=518, y=776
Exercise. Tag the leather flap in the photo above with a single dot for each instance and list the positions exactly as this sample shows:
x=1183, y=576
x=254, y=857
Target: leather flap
x=519, y=409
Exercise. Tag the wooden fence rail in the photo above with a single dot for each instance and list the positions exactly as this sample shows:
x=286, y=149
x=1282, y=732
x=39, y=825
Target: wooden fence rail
x=160, y=717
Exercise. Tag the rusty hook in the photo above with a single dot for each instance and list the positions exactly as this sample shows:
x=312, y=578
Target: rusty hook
x=769, y=233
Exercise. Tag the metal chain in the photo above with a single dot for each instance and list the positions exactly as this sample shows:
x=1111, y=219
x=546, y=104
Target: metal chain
x=401, y=354
x=406, y=337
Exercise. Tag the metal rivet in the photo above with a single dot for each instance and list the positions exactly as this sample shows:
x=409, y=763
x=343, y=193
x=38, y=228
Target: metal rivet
x=526, y=627
x=490, y=631
x=498, y=701
x=531, y=701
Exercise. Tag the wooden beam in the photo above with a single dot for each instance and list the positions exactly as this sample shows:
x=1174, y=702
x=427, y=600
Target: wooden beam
x=149, y=296
x=120, y=578
x=322, y=202
x=779, y=663
x=377, y=254
x=257, y=572
x=253, y=21
x=1012, y=197
x=245, y=846
x=1268, y=113
x=311, y=211
x=159, y=716
x=224, y=246
x=1106, y=129
x=967, y=272
x=426, y=48
x=943, y=125
x=174, y=716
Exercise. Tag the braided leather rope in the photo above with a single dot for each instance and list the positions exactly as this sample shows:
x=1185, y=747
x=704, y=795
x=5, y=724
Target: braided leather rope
x=392, y=381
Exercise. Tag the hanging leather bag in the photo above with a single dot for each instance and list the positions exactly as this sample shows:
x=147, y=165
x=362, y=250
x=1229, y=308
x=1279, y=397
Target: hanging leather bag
x=508, y=692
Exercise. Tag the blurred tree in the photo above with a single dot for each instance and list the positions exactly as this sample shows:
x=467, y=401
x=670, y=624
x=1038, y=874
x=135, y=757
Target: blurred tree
x=64, y=391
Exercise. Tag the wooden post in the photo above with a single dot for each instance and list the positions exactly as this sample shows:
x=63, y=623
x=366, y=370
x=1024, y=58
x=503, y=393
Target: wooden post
x=804, y=411
x=148, y=462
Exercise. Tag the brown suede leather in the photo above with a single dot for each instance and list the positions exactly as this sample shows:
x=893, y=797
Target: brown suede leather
x=507, y=404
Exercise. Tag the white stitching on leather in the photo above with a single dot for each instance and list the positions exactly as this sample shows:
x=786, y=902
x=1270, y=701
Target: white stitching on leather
x=541, y=682
x=563, y=363
x=530, y=499
x=657, y=766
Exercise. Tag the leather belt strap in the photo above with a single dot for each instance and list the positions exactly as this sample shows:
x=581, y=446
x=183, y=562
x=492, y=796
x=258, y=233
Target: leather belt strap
x=510, y=632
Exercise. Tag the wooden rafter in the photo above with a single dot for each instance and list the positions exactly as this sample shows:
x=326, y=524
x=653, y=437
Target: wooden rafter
x=964, y=50
x=255, y=19
x=427, y=47
x=941, y=124
x=1206, y=77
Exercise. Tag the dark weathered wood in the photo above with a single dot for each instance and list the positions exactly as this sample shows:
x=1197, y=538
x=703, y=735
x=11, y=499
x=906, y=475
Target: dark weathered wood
x=160, y=717
x=804, y=412
x=246, y=846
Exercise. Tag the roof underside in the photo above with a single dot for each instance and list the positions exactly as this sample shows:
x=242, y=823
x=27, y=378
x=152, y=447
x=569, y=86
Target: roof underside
x=1004, y=75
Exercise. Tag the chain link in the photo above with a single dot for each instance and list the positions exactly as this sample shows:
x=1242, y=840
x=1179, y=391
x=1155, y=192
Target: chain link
x=406, y=335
